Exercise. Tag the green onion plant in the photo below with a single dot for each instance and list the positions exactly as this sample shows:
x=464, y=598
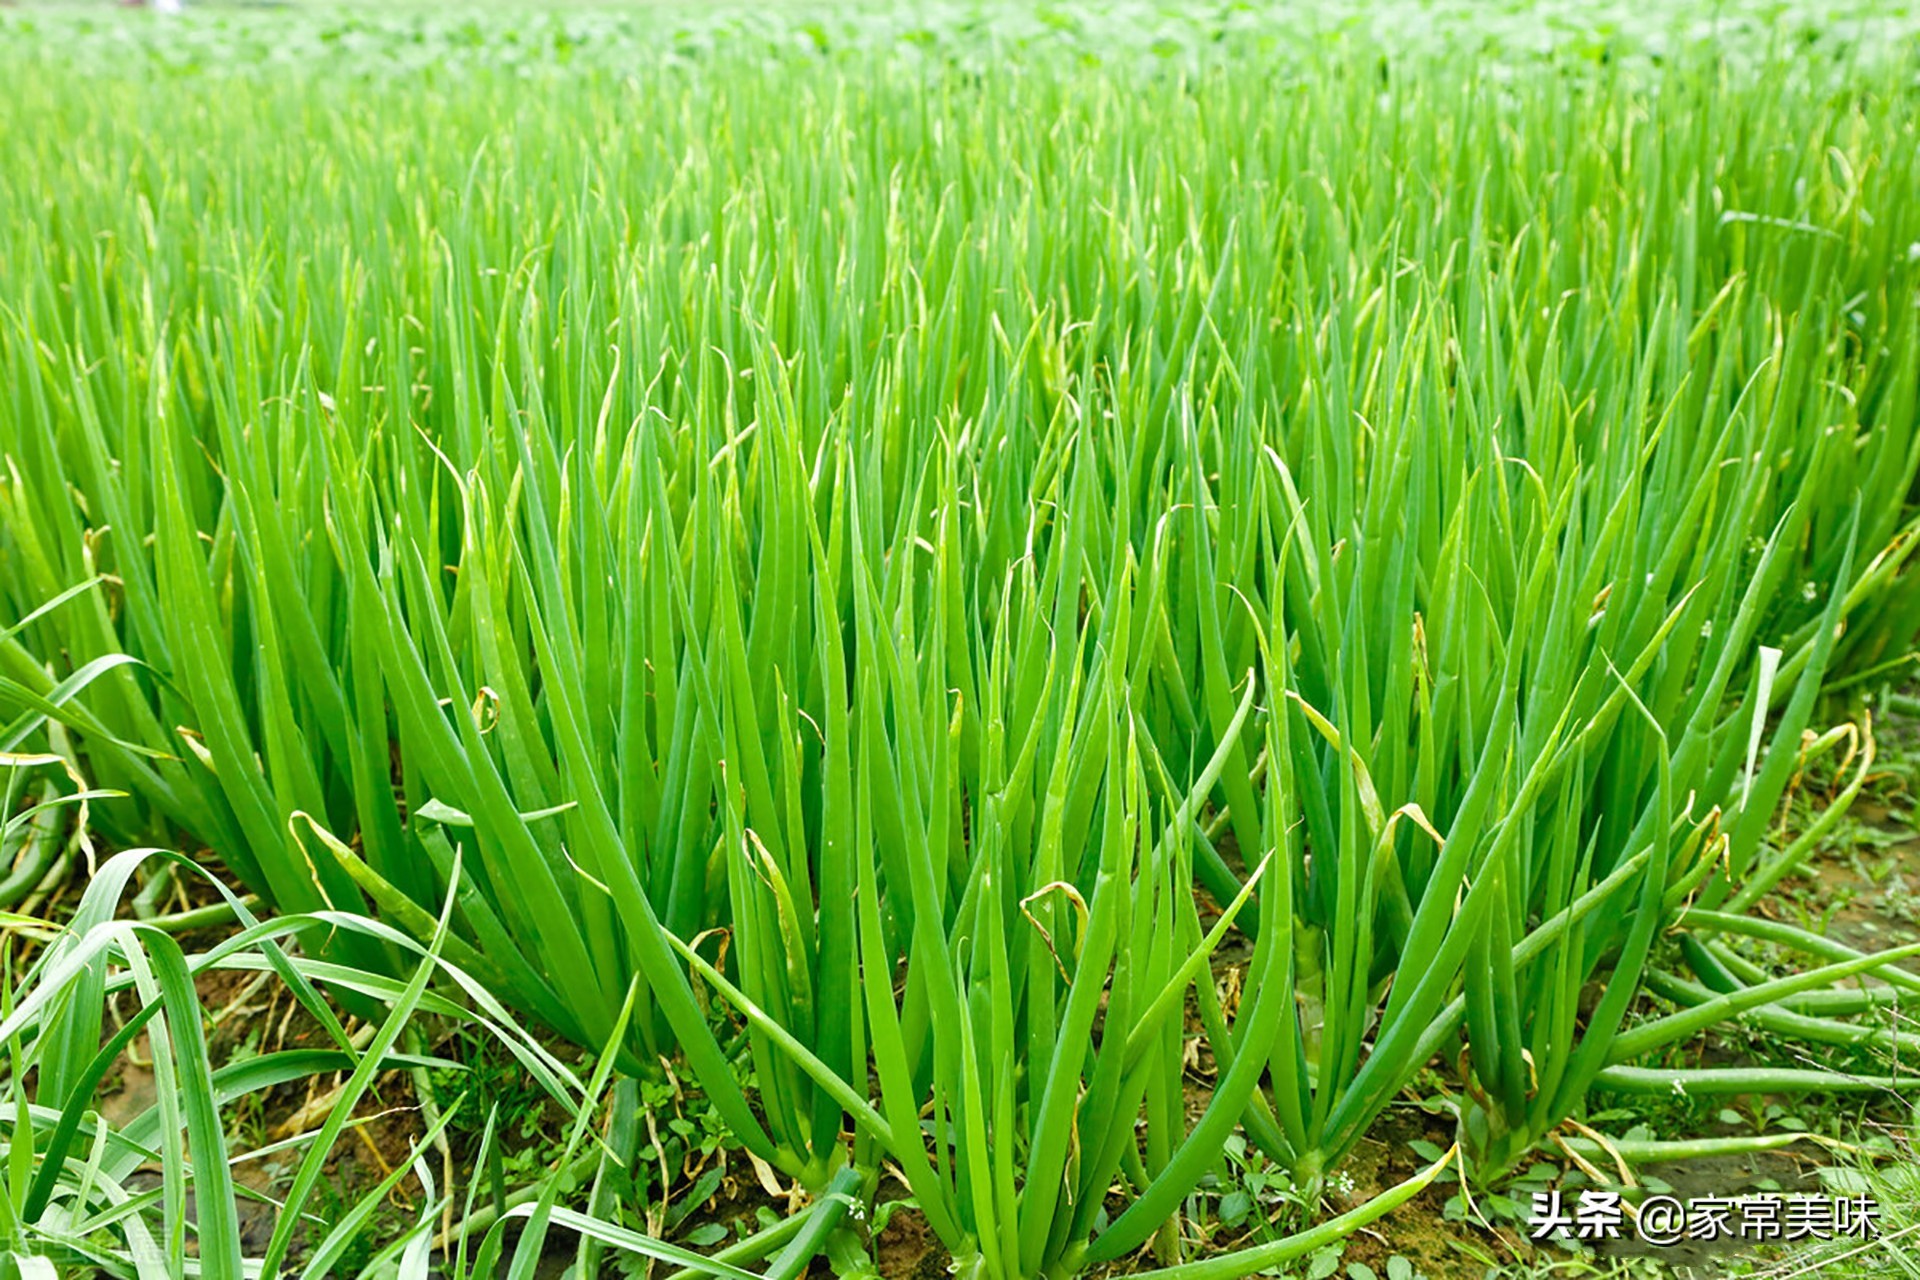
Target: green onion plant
x=872, y=552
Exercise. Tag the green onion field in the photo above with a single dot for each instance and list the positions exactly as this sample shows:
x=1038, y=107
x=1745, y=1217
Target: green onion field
x=1005, y=613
